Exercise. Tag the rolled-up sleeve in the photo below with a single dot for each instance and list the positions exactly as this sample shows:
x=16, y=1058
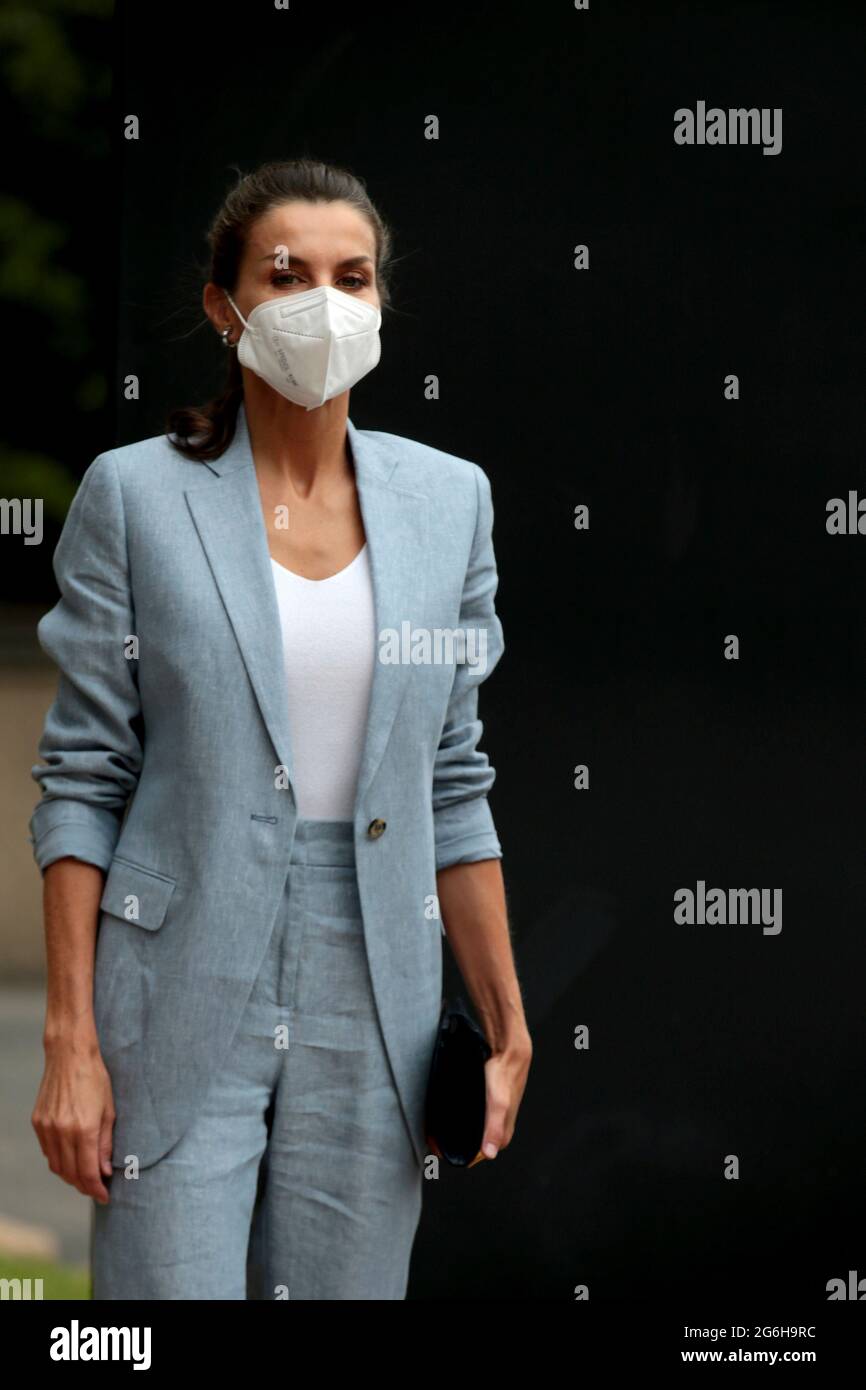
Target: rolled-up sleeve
x=91, y=746
x=463, y=821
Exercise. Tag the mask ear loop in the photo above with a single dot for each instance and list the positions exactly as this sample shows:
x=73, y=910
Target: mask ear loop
x=237, y=311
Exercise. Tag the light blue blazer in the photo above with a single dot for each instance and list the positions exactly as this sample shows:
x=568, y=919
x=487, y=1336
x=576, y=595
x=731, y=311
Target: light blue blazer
x=167, y=753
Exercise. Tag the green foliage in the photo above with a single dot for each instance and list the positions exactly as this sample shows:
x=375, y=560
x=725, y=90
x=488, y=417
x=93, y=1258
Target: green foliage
x=25, y=474
x=51, y=86
x=58, y=1281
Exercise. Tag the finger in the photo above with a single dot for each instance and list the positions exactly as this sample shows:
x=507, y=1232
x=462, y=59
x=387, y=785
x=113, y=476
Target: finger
x=51, y=1148
x=40, y=1131
x=69, y=1161
x=87, y=1158
x=106, y=1143
x=494, y=1129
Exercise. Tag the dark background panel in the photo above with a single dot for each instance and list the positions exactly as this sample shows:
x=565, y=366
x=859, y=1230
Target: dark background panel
x=707, y=518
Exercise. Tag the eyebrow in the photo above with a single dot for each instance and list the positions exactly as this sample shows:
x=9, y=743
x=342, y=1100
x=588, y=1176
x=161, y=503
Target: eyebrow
x=299, y=260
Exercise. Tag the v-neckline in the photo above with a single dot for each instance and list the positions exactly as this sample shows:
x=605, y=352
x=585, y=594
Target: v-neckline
x=305, y=579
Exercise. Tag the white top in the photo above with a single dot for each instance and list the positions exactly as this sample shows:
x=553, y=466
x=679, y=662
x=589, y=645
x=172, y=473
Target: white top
x=329, y=651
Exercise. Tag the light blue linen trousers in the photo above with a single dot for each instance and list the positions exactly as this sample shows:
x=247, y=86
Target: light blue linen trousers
x=303, y=1112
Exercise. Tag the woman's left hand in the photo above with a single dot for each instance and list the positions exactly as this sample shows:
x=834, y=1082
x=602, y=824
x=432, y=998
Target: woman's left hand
x=506, y=1073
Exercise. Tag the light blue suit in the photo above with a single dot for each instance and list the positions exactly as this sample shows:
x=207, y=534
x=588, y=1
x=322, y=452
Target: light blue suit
x=163, y=766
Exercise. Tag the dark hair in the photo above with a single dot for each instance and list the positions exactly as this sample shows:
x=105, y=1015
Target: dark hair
x=206, y=431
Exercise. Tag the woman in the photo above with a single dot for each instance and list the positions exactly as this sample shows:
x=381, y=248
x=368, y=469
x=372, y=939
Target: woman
x=263, y=799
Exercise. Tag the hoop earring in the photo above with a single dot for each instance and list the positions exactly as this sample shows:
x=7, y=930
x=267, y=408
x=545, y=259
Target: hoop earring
x=226, y=341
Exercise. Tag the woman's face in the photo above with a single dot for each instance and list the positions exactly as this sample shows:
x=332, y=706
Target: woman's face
x=301, y=246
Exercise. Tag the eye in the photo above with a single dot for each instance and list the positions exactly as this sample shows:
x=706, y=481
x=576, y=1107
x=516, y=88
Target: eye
x=286, y=277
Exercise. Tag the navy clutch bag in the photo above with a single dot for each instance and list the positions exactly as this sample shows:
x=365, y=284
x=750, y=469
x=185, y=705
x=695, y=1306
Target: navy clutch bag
x=456, y=1102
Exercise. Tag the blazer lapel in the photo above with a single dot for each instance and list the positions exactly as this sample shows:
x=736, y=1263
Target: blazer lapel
x=230, y=523
x=228, y=516
x=396, y=525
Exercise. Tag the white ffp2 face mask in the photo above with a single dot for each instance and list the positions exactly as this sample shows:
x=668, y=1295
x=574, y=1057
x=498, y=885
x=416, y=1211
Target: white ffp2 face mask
x=310, y=346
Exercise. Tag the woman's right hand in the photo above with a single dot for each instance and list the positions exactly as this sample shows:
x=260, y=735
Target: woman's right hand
x=74, y=1115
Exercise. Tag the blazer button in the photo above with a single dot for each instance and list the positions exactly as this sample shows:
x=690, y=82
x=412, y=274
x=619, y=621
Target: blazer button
x=376, y=828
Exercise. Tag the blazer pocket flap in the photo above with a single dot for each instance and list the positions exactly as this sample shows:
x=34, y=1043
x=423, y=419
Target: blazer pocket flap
x=135, y=894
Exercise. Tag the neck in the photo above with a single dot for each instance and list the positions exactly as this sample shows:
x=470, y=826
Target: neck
x=292, y=443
